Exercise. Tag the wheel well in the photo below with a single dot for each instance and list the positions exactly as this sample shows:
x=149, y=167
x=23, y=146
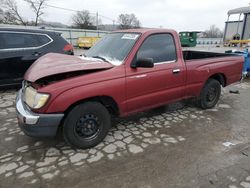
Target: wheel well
x=220, y=77
x=106, y=101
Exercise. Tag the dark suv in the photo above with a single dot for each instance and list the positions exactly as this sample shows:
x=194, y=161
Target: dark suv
x=19, y=48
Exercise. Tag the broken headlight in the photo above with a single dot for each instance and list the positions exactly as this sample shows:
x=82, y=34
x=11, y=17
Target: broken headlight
x=35, y=99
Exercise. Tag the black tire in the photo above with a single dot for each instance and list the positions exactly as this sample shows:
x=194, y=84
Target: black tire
x=86, y=125
x=210, y=94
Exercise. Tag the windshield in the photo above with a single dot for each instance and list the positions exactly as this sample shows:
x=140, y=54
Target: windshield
x=113, y=47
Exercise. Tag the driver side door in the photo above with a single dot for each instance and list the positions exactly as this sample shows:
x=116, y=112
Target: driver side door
x=151, y=87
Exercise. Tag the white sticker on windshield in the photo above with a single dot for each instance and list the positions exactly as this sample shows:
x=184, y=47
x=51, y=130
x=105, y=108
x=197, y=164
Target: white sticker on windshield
x=130, y=36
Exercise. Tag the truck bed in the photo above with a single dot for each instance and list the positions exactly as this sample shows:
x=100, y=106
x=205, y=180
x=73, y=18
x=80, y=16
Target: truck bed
x=200, y=65
x=193, y=55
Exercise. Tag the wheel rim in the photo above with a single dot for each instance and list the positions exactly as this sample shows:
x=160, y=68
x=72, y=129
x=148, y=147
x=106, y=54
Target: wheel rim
x=212, y=95
x=87, y=126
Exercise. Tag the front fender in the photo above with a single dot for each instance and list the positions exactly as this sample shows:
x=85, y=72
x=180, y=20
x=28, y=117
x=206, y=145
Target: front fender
x=114, y=89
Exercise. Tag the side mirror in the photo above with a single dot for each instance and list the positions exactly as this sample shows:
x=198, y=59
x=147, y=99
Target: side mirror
x=143, y=63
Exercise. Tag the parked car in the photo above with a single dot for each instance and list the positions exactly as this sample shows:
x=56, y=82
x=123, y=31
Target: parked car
x=19, y=48
x=125, y=72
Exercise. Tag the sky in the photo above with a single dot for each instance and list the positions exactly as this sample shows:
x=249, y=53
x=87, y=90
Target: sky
x=175, y=14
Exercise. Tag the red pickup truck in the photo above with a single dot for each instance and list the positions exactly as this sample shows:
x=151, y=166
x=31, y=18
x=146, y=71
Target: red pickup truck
x=126, y=72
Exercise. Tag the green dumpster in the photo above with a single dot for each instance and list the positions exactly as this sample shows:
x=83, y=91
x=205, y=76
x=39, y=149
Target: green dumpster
x=188, y=38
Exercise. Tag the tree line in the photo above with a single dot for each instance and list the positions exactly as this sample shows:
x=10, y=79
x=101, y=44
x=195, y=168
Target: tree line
x=10, y=14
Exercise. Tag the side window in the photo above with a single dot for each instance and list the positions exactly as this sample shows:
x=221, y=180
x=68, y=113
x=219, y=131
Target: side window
x=160, y=47
x=22, y=40
x=43, y=39
x=2, y=41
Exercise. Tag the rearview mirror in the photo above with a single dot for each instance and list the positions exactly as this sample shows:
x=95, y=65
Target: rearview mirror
x=143, y=63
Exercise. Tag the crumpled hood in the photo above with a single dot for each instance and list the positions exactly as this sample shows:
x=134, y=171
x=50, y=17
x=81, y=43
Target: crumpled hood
x=53, y=63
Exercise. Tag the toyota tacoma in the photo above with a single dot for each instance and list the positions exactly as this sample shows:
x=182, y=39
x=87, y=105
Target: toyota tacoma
x=125, y=72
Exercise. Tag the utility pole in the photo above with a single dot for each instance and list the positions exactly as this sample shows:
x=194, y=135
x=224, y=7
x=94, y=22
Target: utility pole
x=97, y=20
x=113, y=25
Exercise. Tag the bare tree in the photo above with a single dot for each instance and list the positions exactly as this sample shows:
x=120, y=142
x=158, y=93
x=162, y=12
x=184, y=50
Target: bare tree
x=1, y=15
x=213, y=32
x=83, y=20
x=128, y=21
x=7, y=18
x=37, y=6
x=11, y=10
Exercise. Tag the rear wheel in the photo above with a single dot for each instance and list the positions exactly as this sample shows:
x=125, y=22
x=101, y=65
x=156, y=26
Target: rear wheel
x=210, y=94
x=86, y=125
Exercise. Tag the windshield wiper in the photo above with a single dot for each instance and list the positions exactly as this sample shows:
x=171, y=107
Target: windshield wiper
x=99, y=57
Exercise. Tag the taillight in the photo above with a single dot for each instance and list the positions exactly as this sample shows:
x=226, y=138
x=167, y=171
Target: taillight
x=68, y=48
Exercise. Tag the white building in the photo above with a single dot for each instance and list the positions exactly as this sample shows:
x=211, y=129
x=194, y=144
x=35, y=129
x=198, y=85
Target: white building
x=239, y=27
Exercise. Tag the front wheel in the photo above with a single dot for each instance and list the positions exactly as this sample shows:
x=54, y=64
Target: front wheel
x=86, y=125
x=210, y=94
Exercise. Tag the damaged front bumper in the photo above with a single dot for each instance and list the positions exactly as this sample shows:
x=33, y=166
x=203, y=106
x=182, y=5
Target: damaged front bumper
x=33, y=124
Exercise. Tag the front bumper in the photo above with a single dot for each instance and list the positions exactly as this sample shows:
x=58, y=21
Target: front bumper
x=33, y=124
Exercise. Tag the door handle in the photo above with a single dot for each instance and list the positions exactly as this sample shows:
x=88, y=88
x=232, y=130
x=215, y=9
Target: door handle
x=176, y=71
